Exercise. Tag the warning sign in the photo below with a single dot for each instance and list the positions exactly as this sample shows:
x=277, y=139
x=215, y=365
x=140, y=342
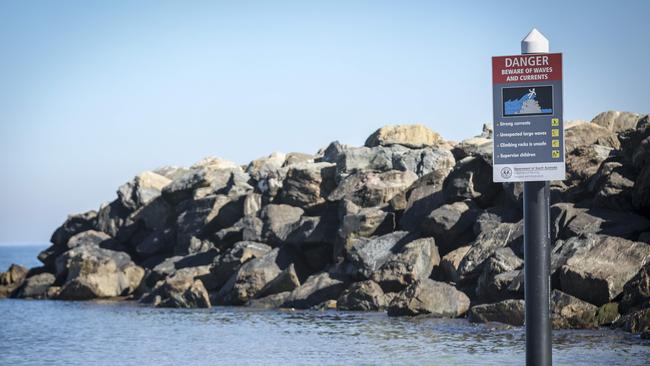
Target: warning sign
x=528, y=126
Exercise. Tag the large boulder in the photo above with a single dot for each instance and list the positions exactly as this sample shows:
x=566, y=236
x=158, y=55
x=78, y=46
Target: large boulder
x=617, y=121
x=369, y=189
x=306, y=185
x=225, y=265
x=429, y=297
x=142, y=189
x=368, y=255
x=499, y=270
x=510, y=312
x=11, y=279
x=92, y=272
x=317, y=289
x=180, y=290
x=362, y=296
x=613, y=187
x=584, y=161
x=413, y=262
x=636, y=292
x=193, y=218
x=412, y=136
x=599, y=274
x=278, y=222
x=35, y=287
x=504, y=235
x=74, y=224
x=471, y=179
x=641, y=191
x=451, y=225
x=450, y=262
x=286, y=281
x=638, y=322
x=568, y=312
x=111, y=217
x=253, y=275
x=570, y=221
x=359, y=222
x=586, y=134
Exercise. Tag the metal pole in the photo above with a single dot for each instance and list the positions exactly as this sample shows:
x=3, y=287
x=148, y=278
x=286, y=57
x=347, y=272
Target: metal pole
x=537, y=251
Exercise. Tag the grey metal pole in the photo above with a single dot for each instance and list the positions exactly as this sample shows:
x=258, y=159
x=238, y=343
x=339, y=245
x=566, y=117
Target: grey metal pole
x=537, y=251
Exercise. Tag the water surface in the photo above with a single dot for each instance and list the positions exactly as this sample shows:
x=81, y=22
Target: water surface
x=106, y=333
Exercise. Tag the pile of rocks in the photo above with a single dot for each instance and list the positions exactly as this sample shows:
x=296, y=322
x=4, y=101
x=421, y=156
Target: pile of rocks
x=409, y=224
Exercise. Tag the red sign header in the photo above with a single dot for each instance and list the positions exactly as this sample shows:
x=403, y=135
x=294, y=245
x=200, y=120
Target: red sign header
x=526, y=68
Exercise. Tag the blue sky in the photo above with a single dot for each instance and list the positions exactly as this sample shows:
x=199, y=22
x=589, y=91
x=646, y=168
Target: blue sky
x=93, y=92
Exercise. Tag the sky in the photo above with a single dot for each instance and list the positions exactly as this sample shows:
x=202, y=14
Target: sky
x=93, y=92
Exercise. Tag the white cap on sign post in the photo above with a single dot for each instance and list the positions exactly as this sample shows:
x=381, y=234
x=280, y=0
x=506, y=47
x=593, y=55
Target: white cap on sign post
x=534, y=42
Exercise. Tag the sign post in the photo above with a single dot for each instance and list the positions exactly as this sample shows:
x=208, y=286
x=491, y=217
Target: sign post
x=529, y=148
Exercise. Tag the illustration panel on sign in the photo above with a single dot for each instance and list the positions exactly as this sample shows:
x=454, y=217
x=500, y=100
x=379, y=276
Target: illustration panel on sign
x=527, y=101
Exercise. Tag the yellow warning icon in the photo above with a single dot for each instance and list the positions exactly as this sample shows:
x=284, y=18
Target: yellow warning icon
x=555, y=122
x=555, y=154
x=555, y=132
x=555, y=143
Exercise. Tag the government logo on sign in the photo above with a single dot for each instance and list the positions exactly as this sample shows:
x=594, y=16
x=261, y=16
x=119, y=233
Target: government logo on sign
x=506, y=173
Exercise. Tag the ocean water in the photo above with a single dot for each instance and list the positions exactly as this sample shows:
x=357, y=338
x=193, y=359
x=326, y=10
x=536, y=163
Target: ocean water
x=107, y=333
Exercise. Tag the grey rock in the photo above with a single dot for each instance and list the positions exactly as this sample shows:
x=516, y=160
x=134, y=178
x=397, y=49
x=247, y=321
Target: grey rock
x=570, y=221
x=584, y=161
x=286, y=281
x=429, y=297
x=111, y=217
x=315, y=290
x=510, y=312
x=505, y=235
x=142, y=189
x=612, y=185
x=73, y=225
x=568, y=312
x=368, y=255
x=413, y=262
x=412, y=136
x=279, y=222
x=35, y=287
x=638, y=321
x=362, y=296
x=451, y=225
x=271, y=301
x=11, y=279
x=636, y=292
x=471, y=179
x=599, y=274
x=159, y=241
x=617, y=121
x=227, y=264
x=586, y=134
x=369, y=189
x=306, y=185
x=364, y=222
x=499, y=270
x=450, y=262
x=179, y=291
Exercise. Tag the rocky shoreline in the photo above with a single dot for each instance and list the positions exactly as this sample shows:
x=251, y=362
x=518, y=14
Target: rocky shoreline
x=409, y=224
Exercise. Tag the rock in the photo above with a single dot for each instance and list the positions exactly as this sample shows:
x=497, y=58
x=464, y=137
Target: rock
x=271, y=301
x=612, y=185
x=362, y=296
x=253, y=275
x=75, y=224
x=599, y=274
x=364, y=222
x=142, y=189
x=306, y=185
x=607, y=314
x=510, y=312
x=183, y=187
x=295, y=158
x=429, y=297
x=368, y=255
x=179, y=291
x=636, y=292
x=479, y=146
x=638, y=322
x=260, y=169
x=450, y=262
x=641, y=190
x=159, y=241
x=92, y=272
x=586, y=134
x=422, y=197
x=317, y=289
x=471, y=179
x=369, y=189
x=573, y=221
x=90, y=237
x=451, y=225
x=111, y=217
x=279, y=222
x=584, y=161
x=568, y=312
x=11, y=279
x=412, y=136
x=228, y=263
x=492, y=285
x=35, y=287
x=505, y=235
x=286, y=281
x=616, y=121
x=413, y=262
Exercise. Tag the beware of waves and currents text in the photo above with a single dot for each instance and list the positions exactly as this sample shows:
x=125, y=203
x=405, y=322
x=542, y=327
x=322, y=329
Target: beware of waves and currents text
x=526, y=68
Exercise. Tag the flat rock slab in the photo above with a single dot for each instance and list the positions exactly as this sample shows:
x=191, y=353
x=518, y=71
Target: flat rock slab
x=430, y=297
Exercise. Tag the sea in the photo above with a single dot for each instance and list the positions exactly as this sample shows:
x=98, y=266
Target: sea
x=35, y=332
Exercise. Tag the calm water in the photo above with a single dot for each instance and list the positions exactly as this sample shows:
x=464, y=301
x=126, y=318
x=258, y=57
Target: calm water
x=67, y=333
